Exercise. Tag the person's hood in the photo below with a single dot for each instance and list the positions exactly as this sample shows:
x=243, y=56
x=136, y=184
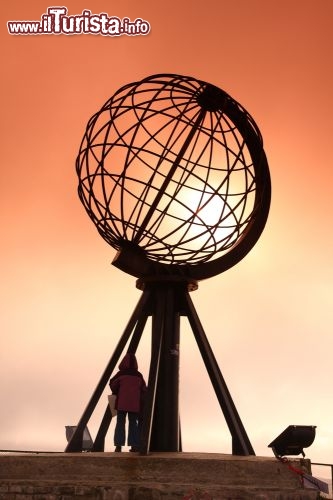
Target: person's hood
x=128, y=361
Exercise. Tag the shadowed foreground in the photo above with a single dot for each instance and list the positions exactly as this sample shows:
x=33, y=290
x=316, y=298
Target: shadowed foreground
x=126, y=476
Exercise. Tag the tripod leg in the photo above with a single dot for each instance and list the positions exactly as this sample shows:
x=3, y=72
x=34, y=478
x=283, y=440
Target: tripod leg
x=157, y=339
x=180, y=437
x=240, y=442
x=99, y=442
x=75, y=444
x=137, y=333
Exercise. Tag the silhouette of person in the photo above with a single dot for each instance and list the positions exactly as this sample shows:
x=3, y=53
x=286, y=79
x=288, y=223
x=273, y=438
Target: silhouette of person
x=129, y=386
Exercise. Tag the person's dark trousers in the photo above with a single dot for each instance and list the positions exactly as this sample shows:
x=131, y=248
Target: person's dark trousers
x=133, y=430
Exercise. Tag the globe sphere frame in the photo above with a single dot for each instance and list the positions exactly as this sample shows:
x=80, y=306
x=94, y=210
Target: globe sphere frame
x=199, y=109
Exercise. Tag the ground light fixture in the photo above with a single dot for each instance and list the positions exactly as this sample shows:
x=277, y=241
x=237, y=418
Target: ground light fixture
x=293, y=439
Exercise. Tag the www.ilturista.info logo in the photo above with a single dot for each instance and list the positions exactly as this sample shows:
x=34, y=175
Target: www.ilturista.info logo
x=56, y=22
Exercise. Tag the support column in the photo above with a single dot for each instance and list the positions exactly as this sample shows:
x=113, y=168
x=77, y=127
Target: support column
x=240, y=442
x=165, y=430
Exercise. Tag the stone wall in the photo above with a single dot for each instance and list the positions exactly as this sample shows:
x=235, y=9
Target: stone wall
x=126, y=476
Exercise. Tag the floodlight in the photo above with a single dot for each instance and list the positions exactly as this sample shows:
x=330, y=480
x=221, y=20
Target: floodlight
x=87, y=441
x=293, y=439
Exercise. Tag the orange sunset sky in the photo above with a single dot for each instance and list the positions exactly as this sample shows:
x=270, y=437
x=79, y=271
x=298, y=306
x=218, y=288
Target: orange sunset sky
x=64, y=307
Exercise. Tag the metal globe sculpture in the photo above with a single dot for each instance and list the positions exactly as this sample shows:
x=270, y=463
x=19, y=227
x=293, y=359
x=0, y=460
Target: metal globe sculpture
x=173, y=174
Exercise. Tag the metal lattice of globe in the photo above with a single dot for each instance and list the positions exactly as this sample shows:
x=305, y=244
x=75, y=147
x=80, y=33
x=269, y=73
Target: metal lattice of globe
x=172, y=169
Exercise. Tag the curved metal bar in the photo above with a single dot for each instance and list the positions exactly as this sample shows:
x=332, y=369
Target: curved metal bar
x=175, y=168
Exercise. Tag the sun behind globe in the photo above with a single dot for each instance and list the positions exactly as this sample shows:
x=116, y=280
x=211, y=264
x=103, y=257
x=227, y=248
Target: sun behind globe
x=173, y=167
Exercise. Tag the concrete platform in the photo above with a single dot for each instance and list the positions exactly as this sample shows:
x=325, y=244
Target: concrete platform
x=129, y=476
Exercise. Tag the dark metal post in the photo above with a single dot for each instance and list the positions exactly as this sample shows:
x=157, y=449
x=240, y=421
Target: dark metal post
x=240, y=442
x=165, y=431
x=99, y=442
x=137, y=334
x=148, y=412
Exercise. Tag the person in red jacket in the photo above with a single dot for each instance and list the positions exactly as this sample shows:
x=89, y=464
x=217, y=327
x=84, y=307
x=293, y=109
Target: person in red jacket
x=129, y=386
